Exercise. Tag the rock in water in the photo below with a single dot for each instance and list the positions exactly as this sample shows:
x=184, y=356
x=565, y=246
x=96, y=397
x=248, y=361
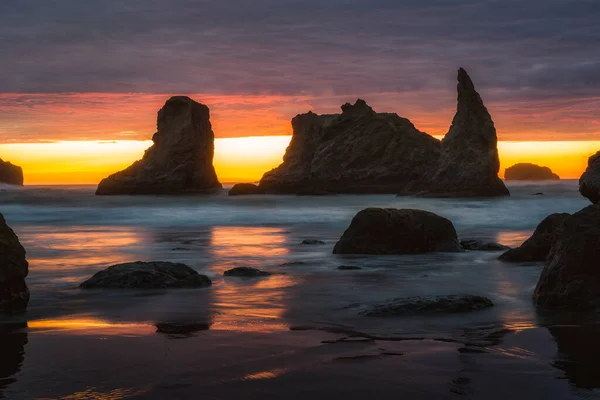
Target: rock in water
x=14, y=294
x=429, y=305
x=179, y=161
x=394, y=231
x=479, y=245
x=571, y=277
x=147, y=275
x=589, y=183
x=529, y=172
x=241, y=189
x=537, y=247
x=246, y=272
x=357, y=151
x=10, y=173
x=469, y=163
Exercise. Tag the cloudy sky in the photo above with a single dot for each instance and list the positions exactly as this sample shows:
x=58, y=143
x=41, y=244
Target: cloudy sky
x=100, y=70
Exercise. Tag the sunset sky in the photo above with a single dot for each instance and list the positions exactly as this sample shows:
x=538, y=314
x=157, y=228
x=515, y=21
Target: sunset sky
x=81, y=82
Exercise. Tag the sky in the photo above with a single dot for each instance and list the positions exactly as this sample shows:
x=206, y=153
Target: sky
x=81, y=82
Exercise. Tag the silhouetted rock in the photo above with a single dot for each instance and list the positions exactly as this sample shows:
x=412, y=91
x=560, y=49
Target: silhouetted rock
x=589, y=183
x=348, y=268
x=14, y=294
x=469, y=163
x=529, y=172
x=479, y=245
x=429, y=305
x=312, y=241
x=397, y=231
x=241, y=189
x=176, y=328
x=10, y=173
x=537, y=247
x=13, y=338
x=358, y=151
x=246, y=272
x=179, y=161
x=147, y=275
x=571, y=277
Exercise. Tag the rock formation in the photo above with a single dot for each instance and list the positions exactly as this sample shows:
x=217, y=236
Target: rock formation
x=179, y=161
x=242, y=189
x=529, y=172
x=428, y=305
x=147, y=275
x=479, y=245
x=589, y=183
x=246, y=272
x=361, y=151
x=10, y=173
x=357, y=151
x=571, y=277
x=394, y=231
x=469, y=163
x=537, y=247
x=14, y=294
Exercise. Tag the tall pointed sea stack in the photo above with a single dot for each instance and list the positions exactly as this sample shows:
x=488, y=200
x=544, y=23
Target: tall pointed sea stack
x=181, y=159
x=14, y=294
x=469, y=163
x=10, y=173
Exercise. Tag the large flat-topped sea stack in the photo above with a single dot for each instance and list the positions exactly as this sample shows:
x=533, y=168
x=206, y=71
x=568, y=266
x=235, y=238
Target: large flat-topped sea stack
x=469, y=163
x=10, y=173
x=179, y=161
x=357, y=151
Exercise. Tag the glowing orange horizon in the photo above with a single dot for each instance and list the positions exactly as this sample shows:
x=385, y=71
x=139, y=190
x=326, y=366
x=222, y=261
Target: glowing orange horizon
x=243, y=159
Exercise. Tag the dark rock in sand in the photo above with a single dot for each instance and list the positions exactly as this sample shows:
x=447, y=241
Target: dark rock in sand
x=181, y=328
x=469, y=163
x=397, y=231
x=357, y=151
x=571, y=277
x=10, y=173
x=14, y=294
x=589, y=183
x=478, y=245
x=537, y=247
x=147, y=275
x=13, y=338
x=348, y=268
x=246, y=272
x=429, y=305
x=179, y=161
x=312, y=241
x=242, y=189
x=529, y=172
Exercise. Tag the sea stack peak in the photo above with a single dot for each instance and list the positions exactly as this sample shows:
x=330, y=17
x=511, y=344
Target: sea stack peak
x=359, y=108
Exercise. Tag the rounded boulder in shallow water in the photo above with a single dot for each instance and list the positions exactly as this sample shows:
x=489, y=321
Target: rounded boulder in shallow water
x=147, y=275
x=429, y=305
x=246, y=272
x=397, y=231
x=312, y=241
x=14, y=294
x=242, y=189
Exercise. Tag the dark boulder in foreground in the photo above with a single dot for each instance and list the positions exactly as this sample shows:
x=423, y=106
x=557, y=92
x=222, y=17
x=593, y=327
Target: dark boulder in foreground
x=469, y=163
x=537, y=247
x=179, y=161
x=571, y=277
x=246, y=272
x=14, y=294
x=429, y=305
x=242, y=189
x=479, y=245
x=397, y=231
x=174, y=328
x=147, y=275
x=589, y=183
x=529, y=172
x=357, y=151
x=10, y=173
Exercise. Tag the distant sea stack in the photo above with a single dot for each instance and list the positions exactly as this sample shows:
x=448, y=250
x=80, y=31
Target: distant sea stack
x=361, y=151
x=357, y=151
x=10, y=173
x=179, y=161
x=529, y=172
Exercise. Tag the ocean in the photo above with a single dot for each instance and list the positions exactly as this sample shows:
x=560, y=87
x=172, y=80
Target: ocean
x=294, y=334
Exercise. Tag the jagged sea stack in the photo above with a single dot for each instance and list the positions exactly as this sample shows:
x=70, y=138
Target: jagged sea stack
x=469, y=163
x=179, y=161
x=14, y=294
x=10, y=173
x=357, y=151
